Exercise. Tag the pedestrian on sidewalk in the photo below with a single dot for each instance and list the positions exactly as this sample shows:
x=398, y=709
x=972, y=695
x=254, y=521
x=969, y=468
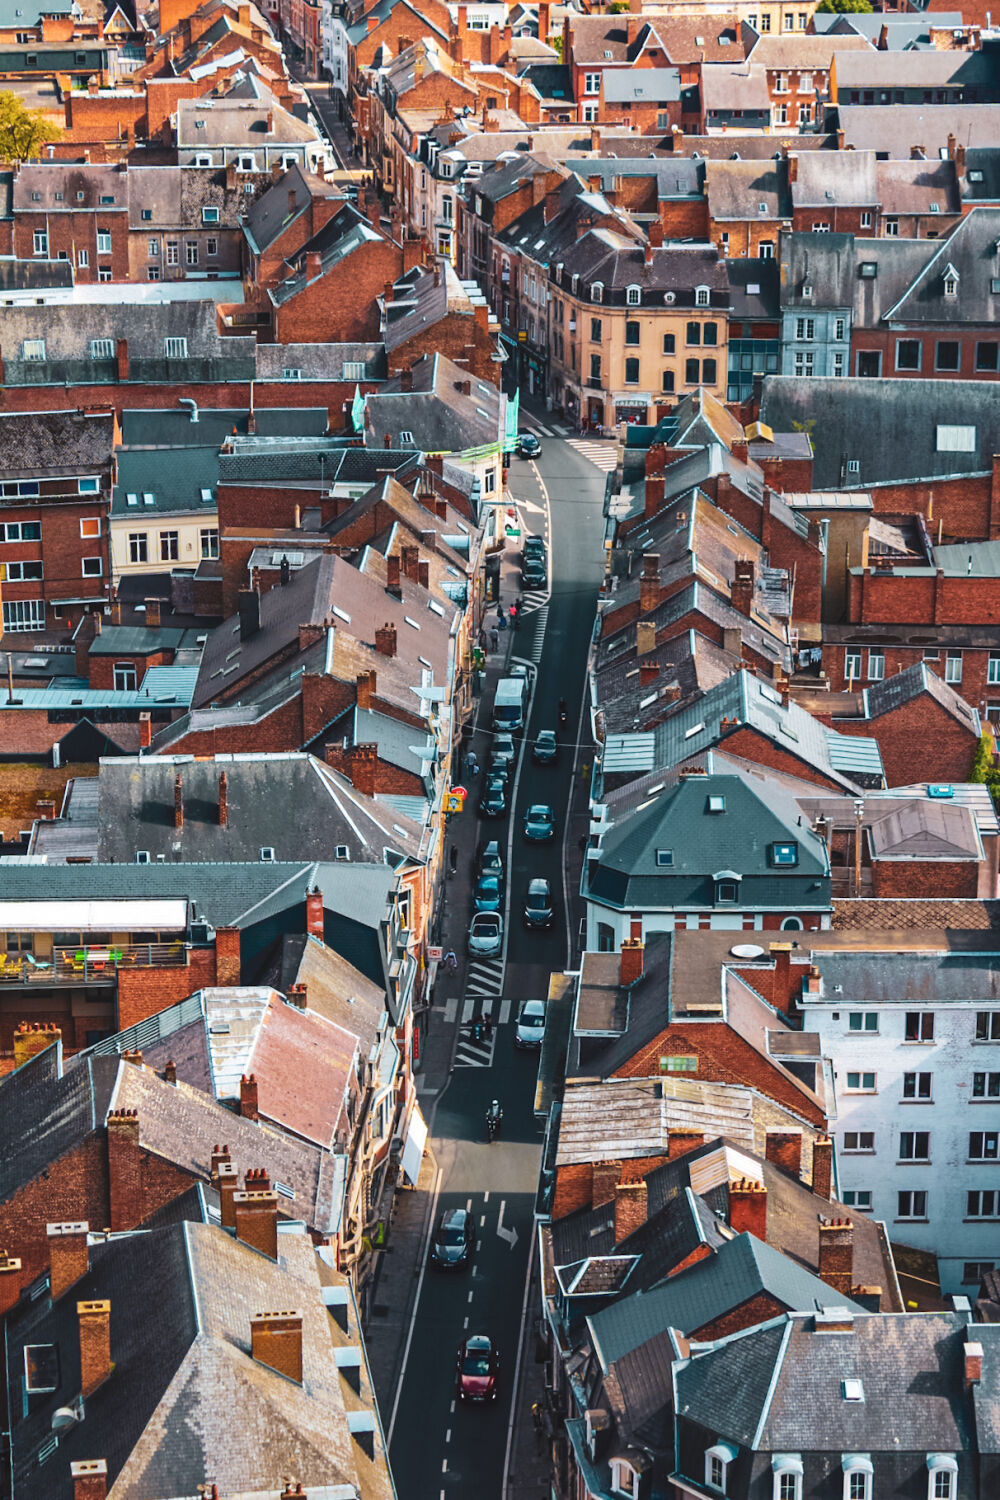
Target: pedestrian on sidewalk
x=494, y=640
x=453, y=859
x=501, y=619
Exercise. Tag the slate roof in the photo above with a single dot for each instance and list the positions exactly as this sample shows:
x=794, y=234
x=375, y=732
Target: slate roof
x=675, y=1226
x=740, y=1268
x=69, y=327
x=440, y=416
x=55, y=442
x=894, y=438
x=340, y=237
x=826, y=262
x=754, y=287
x=232, y=121
x=157, y=1419
x=842, y=178
x=737, y=189
x=176, y=484
x=885, y=978
x=969, y=249
x=279, y=207
x=292, y=803
x=618, y=262
x=891, y=130
x=869, y=68
x=736, y=1386
x=728, y=86
x=55, y=187
x=44, y=1115
x=660, y=85
x=903, y=687
x=813, y=52
x=335, y=988
x=915, y=187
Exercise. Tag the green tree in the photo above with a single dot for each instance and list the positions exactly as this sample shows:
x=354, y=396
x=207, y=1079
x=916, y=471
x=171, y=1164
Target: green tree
x=618, y=7
x=847, y=7
x=22, y=131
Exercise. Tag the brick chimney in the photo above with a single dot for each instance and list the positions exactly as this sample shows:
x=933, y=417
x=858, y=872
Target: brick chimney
x=227, y=956
x=364, y=769
x=406, y=380
x=220, y=1154
x=630, y=1209
x=152, y=613
x=654, y=494
x=90, y=1479
x=424, y=574
x=178, y=801
x=793, y=169
x=973, y=1354
x=822, y=1183
x=645, y=637
x=69, y=1255
x=315, y=917
x=648, y=673
x=10, y=1281
x=365, y=688
x=649, y=583
x=95, y=1344
x=121, y=358
x=125, y=1183
x=223, y=800
x=392, y=575
x=170, y=1071
x=145, y=730
x=630, y=961
x=276, y=1341
x=551, y=206
x=604, y=1177
x=836, y=1254
x=385, y=640
x=748, y=1207
x=781, y=992
x=680, y=1142
x=32, y=1037
x=227, y=1183
x=249, y=1107
x=411, y=556
x=257, y=1220
x=784, y=1149
x=45, y=809
x=741, y=589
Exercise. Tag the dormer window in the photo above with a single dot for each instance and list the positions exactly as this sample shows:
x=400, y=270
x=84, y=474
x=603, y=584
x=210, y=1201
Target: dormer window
x=785, y=854
x=624, y=1479
x=807, y=291
x=717, y=1461
x=445, y=166
x=942, y=1476
x=727, y=888
x=787, y=1471
x=702, y=296
x=633, y=296
x=950, y=281
x=858, y=1471
x=597, y=292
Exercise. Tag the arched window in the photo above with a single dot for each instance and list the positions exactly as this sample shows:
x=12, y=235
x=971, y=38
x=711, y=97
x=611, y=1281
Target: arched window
x=791, y=924
x=597, y=292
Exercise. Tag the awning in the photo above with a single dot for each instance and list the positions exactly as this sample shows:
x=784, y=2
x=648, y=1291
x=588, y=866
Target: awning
x=413, y=1146
x=165, y=914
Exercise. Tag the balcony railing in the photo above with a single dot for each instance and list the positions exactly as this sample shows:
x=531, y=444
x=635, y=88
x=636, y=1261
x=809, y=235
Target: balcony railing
x=96, y=965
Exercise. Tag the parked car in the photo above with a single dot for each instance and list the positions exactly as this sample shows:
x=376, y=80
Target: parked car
x=499, y=766
x=453, y=1240
x=538, y=904
x=528, y=445
x=545, y=750
x=534, y=546
x=477, y=1369
x=493, y=801
x=503, y=745
x=489, y=893
x=539, y=823
x=530, y=1027
x=491, y=860
x=485, y=934
x=534, y=573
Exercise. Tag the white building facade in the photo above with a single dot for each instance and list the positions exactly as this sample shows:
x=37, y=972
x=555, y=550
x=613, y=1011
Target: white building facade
x=914, y=1038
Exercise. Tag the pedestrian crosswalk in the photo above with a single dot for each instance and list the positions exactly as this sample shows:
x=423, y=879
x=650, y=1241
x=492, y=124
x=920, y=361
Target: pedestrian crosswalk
x=477, y=1052
x=531, y=600
x=604, y=455
x=485, y=977
x=531, y=634
x=471, y=1053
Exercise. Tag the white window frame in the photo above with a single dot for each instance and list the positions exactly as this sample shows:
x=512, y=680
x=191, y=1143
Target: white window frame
x=591, y=83
x=624, y=1479
x=597, y=292
x=786, y=1466
x=33, y=351
x=40, y=242
x=702, y=296
x=138, y=547
x=876, y=666
x=633, y=296
x=953, y=667
x=23, y=616
x=104, y=242
x=854, y=1464
x=723, y=1454
x=209, y=215
x=942, y=1464
x=92, y=567
x=175, y=348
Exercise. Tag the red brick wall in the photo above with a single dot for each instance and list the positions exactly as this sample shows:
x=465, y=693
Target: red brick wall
x=341, y=306
x=101, y=669
x=71, y=232
x=974, y=687
x=574, y=1184
x=965, y=509
x=842, y=220
x=966, y=335
x=61, y=549
x=931, y=598
x=919, y=740
x=143, y=992
x=936, y=878
x=749, y=744
x=73, y=1187
x=756, y=1310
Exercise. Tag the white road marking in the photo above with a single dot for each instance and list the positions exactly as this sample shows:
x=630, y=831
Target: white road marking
x=444, y=1466
x=469, y=1297
x=468, y=1205
x=452, y=1407
x=467, y=1010
x=450, y=1010
x=482, y=1222
x=505, y=1007
x=486, y=1196
x=447, y=1437
x=413, y=1313
x=466, y=1323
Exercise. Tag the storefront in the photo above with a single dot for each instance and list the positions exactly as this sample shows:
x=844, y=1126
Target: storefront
x=633, y=408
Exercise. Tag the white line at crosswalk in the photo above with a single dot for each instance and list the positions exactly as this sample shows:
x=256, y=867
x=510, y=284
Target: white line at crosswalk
x=603, y=455
x=505, y=1006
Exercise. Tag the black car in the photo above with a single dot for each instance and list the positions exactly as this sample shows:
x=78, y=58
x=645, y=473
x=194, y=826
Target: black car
x=491, y=860
x=528, y=445
x=538, y=905
x=534, y=546
x=534, y=573
x=454, y=1240
x=545, y=750
x=493, y=802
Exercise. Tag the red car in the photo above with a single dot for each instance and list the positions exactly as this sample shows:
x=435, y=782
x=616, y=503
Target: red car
x=476, y=1369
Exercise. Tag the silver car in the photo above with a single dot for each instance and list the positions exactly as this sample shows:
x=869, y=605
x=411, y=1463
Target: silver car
x=530, y=1026
x=485, y=934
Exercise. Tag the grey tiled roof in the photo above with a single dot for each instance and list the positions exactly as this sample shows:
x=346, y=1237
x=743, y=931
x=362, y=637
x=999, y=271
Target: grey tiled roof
x=728, y=1390
x=55, y=441
x=892, y=692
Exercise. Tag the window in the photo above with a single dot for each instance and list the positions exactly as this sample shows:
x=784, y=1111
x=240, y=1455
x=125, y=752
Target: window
x=892, y=227
x=863, y=1020
x=914, y=1145
x=40, y=242
x=104, y=242
x=717, y=1461
x=291, y=372
x=781, y=83
x=83, y=259
x=589, y=113
x=669, y=344
x=857, y=1198
x=859, y=1140
x=90, y=486
x=211, y=246
x=92, y=567
x=692, y=334
x=104, y=273
x=908, y=354
x=852, y=665
x=857, y=1484
x=90, y=526
x=175, y=348
x=765, y=23
x=804, y=362
x=125, y=677
x=727, y=890
x=23, y=614
x=953, y=667
x=168, y=546
x=986, y=1085
x=138, y=547
x=631, y=372
x=692, y=370
x=982, y=1204
x=633, y=296
x=23, y=572
x=781, y=118
x=947, y=354
x=710, y=333
x=210, y=216
x=983, y=1145
x=596, y=329
x=787, y=1469
x=591, y=83
x=247, y=163
x=209, y=537
x=876, y=666
x=632, y=332
x=952, y=438
x=912, y=1205
x=950, y=285
x=917, y=1085
x=191, y=252
x=766, y=249
x=785, y=854
x=624, y=1479
x=702, y=296
x=21, y=531
x=595, y=368
x=861, y=1083
x=919, y=1026
x=667, y=383
x=988, y=1026
x=173, y=252
x=988, y=357
x=33, y=350
x=152, y=273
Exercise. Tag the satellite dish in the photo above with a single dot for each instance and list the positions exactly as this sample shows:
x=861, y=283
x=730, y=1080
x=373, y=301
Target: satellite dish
x=747, y=950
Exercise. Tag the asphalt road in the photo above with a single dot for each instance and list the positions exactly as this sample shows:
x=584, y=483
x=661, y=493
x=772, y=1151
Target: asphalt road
x=440, y=1447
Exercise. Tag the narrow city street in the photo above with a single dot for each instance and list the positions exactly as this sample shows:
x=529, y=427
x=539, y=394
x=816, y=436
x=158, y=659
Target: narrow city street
x=440, y=1447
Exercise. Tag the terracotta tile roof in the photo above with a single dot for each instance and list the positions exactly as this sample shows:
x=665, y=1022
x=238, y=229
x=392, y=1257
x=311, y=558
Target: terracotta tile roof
x=902, y=916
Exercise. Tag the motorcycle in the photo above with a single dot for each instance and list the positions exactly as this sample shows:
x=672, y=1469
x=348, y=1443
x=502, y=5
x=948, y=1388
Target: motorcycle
x=494, y=1117
x=563, y=711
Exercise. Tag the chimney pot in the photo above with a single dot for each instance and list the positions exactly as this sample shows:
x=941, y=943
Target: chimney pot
x=248, y=1097
x=227, y=1182
x=630, y=1208
x=69, y=1255
x=630, y=961
x=90, y=1479
x=257, y=1220
x=836, y=1254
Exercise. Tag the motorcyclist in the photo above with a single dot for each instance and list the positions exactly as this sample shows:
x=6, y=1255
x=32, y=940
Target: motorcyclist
x=494, y=1118
x=563, y=711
